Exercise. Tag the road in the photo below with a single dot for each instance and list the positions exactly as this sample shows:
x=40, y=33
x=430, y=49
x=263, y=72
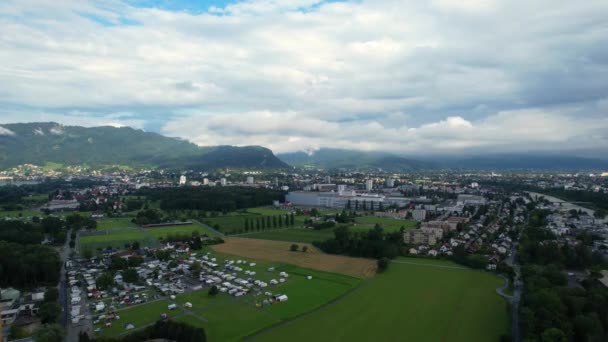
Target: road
x=64, y=253
x=518, y=286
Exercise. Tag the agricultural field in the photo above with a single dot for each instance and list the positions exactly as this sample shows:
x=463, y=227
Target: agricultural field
x=161, y=232
x=278, y=251
x=111, y=223
x=389, y=224
x=409, y=302
x=292, y=235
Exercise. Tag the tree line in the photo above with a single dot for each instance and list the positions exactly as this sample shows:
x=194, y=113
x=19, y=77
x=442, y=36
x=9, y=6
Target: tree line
x=222, y=199
x=371, y=244
x=551, y=310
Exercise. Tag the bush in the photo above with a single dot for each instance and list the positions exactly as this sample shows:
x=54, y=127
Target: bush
x=213, y=291
x=294, y=248
x=382, y=264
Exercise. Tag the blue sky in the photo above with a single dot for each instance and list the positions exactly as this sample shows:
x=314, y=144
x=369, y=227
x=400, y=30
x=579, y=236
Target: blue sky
x=411, y=77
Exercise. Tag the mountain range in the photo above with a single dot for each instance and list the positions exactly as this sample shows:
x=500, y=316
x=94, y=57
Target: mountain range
x=41, y=143
x=327, y=158
x=49, y=142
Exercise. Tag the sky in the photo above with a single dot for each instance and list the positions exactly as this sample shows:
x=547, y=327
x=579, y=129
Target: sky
x=410, y=77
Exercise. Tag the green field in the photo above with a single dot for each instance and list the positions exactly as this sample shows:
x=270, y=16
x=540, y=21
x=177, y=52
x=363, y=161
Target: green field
x=293, y=235
x=21, y=213
x=226, y=318
x=140, y=316
x=389, y=224
x=115, y=238
x=161, y=232
x=408, y=303
x=111, y=223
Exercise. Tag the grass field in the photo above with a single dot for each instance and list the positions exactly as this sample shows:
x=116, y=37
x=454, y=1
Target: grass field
x=111, y=223
x=389, y=224
x=293, y=235
x=278, y=251
x=114, y=238
x=226, y=318
x=186, y=229
x=21, y=213
x=408, y=303
x=139, y=316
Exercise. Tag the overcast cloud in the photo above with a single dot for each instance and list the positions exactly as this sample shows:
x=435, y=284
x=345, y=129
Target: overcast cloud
x=413, y=77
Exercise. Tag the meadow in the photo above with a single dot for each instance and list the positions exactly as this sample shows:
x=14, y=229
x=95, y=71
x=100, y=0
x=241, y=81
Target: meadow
x=161, y=232
x=292, y=235
x=388, y=224
x=409, y=303
x=115, y=238
x=140, y=316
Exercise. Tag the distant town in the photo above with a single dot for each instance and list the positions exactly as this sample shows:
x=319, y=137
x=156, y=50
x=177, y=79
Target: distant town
x=141, y=248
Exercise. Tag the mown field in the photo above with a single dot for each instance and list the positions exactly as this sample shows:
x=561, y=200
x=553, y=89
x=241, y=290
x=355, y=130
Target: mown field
x=388, y=224
x=408, y=303
x=293, y=235
x=115, y=238
x=162, y=232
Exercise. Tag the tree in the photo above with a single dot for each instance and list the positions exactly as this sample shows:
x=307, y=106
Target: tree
x=246, y=224
x=87, y=253
x=49, y=312
x=553, y=335
x=274, y=222
x=600, y=214
x=304, y=249
x=257, y=224
x=292, y=219
x=105, y=281
x=268, y=222
x=382, y=264
x=130, y=275
x=51, y=294
x=348, y=205
x=135, y=246
x=280, y=221
x=213, y=291
x=72, y=243
x=49, y=333
x=294, y=247
x=196, y=268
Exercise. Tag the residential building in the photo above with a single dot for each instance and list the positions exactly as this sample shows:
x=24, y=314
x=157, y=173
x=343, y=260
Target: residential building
x=182, y=180
x=423, y=236
x=419, y=214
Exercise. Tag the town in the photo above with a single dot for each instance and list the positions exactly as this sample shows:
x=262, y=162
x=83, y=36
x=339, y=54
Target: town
x=130, y=255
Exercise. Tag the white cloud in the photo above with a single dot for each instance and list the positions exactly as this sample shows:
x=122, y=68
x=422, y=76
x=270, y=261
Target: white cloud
x=6, y=131
x=304, y=74
x=530, y=129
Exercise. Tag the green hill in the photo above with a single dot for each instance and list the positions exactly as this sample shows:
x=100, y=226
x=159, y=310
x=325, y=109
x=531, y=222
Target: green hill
x=43, y=143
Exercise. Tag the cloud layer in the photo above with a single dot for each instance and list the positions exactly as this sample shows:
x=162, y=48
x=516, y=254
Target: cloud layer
x=415, y=77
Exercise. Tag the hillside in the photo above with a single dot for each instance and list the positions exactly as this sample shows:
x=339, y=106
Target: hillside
x=41, y=143
x=328, y=158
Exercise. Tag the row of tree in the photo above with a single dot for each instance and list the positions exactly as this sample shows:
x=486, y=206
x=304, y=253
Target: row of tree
x=277, y=221
x=222, y=199
x=371, y=244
